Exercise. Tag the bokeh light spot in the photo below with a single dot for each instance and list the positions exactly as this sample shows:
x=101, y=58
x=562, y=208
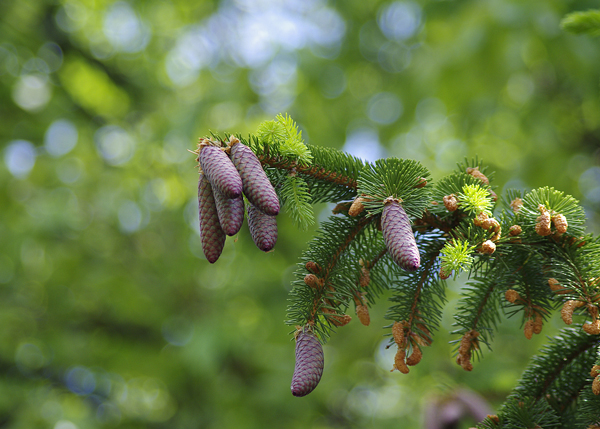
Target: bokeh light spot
x=364, y=143
x=399, y=20
x=19, y=157
x=80, y=380
x=32, y=92
x=115, y=144
x=60, y=138
x=130, y=217
x=384, y=108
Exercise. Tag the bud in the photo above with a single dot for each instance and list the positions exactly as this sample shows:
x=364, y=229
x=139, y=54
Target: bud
x=528, y=329
x=256, y=184
x=515, y=230
x=512, y=295
x=488, y=247
x=542, y=226
x=538, y=323
x=313, y=267
x=516, y=205
x=415, y=356
x=422, y=183
x=592, y=328
x=478, y=175
x=357, y=207
x=398, y=236
x=311, y=280
x=398, y=333
x=212, y=236
x=556, y=286
x=219, y=171
x=450, y=202
x=309, y=364
x=230, y=211
x=566, y=312
x=263, y=228
x=399, y=363
x=445, y=273
x=362, y=311
x=596, y=385
x=560, y=223
x=480, y=219
x=336, y=319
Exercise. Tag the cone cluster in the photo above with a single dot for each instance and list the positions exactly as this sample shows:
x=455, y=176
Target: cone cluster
x=398, y=235
x=226, y=174
x=309, y=364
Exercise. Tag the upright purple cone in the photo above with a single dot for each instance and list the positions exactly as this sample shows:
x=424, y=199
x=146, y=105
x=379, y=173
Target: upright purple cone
x=263, y=228
x=230, y=211
x=219, y=171
x=309, y=364
x=256, y=185
x=398, y=236
x=211, y=234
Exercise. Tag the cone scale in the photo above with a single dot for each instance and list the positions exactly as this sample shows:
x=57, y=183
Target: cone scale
x=309, y=364
x=398, y=235
x=212, y=236
x=256, y=185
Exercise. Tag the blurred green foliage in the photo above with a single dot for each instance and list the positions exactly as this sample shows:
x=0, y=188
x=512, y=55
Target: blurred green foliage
x=111, y=316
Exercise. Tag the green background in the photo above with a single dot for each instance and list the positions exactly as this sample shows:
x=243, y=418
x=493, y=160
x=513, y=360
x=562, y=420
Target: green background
x=109, y=314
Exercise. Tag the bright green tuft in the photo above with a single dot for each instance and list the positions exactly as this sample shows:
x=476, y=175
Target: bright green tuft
x=475, y=199
x=456, y=256
x=284, y=132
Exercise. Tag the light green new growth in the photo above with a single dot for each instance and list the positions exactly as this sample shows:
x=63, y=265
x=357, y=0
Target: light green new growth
x=587, y=22
x=456, y=256
x=475, y=199
x=284, y=131
x=297, y=201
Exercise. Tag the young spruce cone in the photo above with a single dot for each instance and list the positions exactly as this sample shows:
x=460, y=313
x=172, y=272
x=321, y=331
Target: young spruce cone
x=231, y=212
x=256, y=185
x=211, y=234
x=398, y=235
x=309, y=364
x=220, y=172
x=263, y=228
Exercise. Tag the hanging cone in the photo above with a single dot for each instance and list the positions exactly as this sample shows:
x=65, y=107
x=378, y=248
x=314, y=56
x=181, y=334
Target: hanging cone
x=230, y=211
x=263, y=228
x=309, y=364
x=256, y=185
x=211, y=234
x=219, y=171
x=398, y=235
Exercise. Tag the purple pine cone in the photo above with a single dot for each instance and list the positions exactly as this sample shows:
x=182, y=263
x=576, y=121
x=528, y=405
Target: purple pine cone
x=230, y=211
x=211, y=234
x=219, y=171
x=309, y=364
x=256, y=185
x=398, y=236
x=263, y=228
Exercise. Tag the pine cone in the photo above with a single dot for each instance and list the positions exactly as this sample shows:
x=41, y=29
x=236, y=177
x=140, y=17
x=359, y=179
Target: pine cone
x=231, y=212
x=263, y=228
x=309, y=364
x=398, y=236
x=220, y=172
x=211, y=234
x=256, y=185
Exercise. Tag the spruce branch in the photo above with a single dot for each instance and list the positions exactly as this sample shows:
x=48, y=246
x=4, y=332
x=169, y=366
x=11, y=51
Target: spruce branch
x=527, y=255
x=587, y=22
